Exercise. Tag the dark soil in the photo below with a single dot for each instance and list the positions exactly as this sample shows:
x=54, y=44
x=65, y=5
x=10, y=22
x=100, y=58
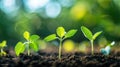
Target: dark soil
x=76, y=59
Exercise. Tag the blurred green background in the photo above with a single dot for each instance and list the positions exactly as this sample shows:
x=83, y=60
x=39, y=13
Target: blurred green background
x=42, y=17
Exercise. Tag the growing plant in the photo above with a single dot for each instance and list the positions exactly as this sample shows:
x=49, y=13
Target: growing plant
x=61, y=35
x=88, y=34
x=30, y=43
x=2, y=45
x=106, y=50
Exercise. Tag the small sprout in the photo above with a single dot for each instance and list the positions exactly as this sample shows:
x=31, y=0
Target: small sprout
x=61, y=35
x=88, y=34
x=106, y=50
x=30, y=43
x=2, y=45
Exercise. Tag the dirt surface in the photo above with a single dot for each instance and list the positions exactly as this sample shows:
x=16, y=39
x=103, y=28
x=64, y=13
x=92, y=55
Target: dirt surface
x=76, y=59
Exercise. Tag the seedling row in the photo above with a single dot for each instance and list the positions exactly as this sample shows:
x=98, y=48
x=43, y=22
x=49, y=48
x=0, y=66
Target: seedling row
x=61, y=34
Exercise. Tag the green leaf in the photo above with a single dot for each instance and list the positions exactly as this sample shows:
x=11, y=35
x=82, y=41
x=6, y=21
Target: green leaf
x=19, y=48
x=26, y=35
x=70, y=33
x=34, y=46
x=87, y=33
x=3, y=44
x=96, y=34
x=60, y=32
x=3, y=53
x=50, y=37
x=34, y=37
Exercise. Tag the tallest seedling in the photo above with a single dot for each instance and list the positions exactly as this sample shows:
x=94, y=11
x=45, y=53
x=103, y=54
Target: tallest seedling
x=61, y=35
x=88, y=34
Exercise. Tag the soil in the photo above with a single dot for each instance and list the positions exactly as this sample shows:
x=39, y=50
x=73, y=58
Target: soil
x=76, y=59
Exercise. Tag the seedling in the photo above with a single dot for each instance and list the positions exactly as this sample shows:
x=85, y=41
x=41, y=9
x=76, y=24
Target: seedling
x=106, y=50
x=30, y=43
x=88, y=34
x=61, y=35
x=2, y=45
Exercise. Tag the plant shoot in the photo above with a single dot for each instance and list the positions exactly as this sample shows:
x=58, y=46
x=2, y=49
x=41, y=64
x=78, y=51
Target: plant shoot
x=30, y=43
x=88, y=34
x=2, y=46
x=61, y=35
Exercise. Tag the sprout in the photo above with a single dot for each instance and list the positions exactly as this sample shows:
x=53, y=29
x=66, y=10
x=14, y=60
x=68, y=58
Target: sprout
x=88, y=34
x=30, y=43
x=61, y=35
x=106, y=50
x=2, y=45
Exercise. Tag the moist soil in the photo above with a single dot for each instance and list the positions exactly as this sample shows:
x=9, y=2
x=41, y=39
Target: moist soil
x=76, y=59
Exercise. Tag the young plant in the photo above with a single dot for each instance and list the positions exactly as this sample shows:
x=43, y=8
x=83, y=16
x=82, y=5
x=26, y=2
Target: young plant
x=61, y=35
x=106, y=50
x=30, y=43
x=88, y=34
x=2, y=45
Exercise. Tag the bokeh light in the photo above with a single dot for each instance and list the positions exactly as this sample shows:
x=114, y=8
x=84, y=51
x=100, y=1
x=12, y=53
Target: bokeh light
x=42, y=45
x=83, y=46
x=68, y=45
x=9, y=6
x=66, y=3
x=53, y=9
x=33, y=5
x=79, y=11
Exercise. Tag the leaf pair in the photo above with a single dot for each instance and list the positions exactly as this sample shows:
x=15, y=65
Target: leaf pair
x=88, y=34
x=31, y=43
x=61, y=34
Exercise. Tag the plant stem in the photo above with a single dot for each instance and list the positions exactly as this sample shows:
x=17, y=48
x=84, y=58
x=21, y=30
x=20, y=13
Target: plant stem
x=28, y=48
x=60, y=48
x=28, y=52
x=92, y=49
x=1, y=52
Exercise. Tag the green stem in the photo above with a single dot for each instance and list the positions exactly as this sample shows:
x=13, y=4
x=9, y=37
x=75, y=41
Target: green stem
x=1, y=50
x=60, y=48
x=28, y=48
x=92, y=49
x=28, y=52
